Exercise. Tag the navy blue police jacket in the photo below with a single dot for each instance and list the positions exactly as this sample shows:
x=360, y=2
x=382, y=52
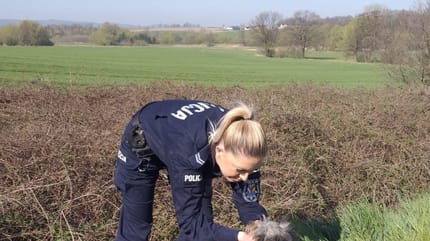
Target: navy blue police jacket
x=177, y=131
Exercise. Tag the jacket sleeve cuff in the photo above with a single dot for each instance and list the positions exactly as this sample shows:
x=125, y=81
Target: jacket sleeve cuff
x=227, y=234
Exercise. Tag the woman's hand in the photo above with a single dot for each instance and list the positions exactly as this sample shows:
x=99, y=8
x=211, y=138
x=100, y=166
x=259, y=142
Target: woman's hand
x=242, y=236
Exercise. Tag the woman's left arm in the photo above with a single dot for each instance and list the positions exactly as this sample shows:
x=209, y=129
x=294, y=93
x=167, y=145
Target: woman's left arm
x=246, y=197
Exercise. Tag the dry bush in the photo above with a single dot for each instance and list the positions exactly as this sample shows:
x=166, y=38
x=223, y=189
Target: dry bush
x=327, y=147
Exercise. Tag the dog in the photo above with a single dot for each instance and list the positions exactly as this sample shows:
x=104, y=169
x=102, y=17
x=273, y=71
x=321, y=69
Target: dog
x=267, y=230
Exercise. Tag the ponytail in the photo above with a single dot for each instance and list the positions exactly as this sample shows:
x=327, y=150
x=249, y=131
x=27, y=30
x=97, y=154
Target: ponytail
x=240, y=133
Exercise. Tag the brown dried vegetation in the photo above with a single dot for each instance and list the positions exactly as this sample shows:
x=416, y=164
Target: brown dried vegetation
x=327, y=147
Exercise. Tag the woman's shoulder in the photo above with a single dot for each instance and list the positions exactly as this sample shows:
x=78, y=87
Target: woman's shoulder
x=182, y=109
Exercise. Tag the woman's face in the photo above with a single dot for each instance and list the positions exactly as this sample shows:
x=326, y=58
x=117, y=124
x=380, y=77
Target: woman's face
x=235, y=168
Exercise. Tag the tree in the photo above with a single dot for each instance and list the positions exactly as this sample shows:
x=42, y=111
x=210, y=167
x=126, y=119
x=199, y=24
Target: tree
x=27, y=33
x=303, y=29
x=265, y=29
x=394, y=36
x=423, y=45
x=366, y=33
x=31, y=33
x=143, y=38
x=43, y=37
x=109, y=34
x=335, y=38
x=406, y=44
x=9, y=35
x=210, y=39
x=415, y=64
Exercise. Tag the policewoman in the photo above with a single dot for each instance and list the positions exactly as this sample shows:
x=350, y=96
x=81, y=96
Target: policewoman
x=195, y=141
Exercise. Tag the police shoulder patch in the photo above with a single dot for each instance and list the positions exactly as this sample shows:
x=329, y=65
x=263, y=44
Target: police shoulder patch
x=251, y=190
x=192, y=178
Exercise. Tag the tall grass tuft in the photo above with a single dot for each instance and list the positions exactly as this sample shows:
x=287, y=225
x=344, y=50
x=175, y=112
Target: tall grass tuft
x=409, y=221
x=362, y=221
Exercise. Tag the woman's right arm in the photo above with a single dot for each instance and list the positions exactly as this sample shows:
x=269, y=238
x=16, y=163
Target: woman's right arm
x=191, y=193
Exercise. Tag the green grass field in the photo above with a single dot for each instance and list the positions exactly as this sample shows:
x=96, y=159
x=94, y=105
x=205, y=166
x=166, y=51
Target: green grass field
x=364, y=221
x=81, y=65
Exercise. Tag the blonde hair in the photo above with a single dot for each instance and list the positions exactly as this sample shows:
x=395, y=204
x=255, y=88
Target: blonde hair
x=240, y=133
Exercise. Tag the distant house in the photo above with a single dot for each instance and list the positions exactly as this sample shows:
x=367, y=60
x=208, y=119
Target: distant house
x=282, y=26
x=231, y=28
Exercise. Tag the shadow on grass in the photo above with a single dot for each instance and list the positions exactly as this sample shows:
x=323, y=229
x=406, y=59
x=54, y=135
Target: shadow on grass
x=311, y=230
x=321, y=58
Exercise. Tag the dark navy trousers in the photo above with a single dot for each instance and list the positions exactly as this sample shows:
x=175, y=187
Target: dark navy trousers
x=136, y=182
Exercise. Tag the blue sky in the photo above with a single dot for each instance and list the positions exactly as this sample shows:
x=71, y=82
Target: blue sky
x=205, y=13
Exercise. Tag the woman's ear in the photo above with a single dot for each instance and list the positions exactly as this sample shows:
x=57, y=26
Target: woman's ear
x=219, y=148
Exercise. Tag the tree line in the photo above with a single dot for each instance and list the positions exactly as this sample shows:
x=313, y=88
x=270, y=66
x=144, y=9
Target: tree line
x=398, y=38
x=26, y=33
